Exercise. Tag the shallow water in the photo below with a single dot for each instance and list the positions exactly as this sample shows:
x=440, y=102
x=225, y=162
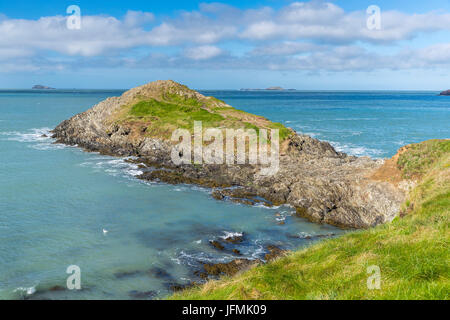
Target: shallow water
x=55, y=200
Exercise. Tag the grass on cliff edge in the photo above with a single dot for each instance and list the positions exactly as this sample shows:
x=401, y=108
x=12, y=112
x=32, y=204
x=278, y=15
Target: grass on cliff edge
x=412, y=252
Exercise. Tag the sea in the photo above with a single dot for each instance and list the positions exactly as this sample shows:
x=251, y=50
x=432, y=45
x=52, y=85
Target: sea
x=130, y=239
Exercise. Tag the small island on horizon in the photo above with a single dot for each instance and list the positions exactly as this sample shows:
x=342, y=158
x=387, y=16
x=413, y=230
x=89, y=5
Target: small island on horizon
x=276, y=88
x=41, y=87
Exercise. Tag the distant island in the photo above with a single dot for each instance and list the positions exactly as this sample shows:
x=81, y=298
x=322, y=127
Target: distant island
x=275, y=88
x=445, y=93
x=41, y=87
x=268, y=89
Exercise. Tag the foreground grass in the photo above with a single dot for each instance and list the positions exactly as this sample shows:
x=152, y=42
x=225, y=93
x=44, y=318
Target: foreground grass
x=412, y=252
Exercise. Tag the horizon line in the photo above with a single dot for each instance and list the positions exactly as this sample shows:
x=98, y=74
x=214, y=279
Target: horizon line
x=242, y=89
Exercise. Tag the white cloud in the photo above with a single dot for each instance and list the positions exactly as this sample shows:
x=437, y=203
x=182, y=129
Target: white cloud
x=285, y=48
x=97, y=35
x=13, y=53
x=314, y=35
x=138, y=18
x=328, y=23
x=203, y=52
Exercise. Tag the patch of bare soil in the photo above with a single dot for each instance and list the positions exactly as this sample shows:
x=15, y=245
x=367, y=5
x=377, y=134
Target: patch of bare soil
x=389, y=171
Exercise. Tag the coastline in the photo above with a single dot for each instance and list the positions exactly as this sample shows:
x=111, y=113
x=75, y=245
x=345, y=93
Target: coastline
x=323, y=185
x=410, y=254
x=25, y=136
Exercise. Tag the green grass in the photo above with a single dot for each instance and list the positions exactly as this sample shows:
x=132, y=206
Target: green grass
x=412, y=252
x=283, y=131
x=420, y=157
x=173, y=111
x=161, y=113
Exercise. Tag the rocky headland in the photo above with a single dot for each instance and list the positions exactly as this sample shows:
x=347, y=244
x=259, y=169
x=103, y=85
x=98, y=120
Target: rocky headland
x=323, y=185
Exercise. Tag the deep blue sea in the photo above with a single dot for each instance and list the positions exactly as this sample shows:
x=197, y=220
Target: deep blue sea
x=55, y=201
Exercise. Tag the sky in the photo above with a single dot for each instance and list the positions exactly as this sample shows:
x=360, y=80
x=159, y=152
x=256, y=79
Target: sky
x=305, y=45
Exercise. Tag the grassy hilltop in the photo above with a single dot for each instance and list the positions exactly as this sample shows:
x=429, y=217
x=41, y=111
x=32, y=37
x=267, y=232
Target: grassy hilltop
x=412, y=251
x=167, y=106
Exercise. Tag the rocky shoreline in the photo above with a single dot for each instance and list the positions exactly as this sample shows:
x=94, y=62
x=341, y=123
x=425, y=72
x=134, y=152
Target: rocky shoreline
x=325, y=186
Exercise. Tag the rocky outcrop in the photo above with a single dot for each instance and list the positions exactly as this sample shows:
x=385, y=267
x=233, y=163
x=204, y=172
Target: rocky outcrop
x=324, y=185
x=445, y=93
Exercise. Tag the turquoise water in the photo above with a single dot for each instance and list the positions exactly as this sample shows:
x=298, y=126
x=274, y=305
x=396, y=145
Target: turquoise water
x=55, y=200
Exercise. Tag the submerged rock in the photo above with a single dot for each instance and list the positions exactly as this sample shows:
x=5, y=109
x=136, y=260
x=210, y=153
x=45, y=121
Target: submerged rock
x=128, y=274
x=236, y=251
x=230, y=268
x=135, y=294
x=216, y=244
x=234, y=239
x=175, y=287
x=159, y=273
x=57, y=288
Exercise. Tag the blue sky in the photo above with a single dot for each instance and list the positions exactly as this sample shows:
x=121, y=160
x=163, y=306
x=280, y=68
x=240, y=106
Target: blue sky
x=227, y=45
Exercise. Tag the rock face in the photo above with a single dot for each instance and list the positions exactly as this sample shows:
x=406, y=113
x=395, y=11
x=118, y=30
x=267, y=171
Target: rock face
x=324, y=186
x=445, y=93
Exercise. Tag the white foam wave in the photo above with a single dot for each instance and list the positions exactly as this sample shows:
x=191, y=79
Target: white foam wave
x=356, y=150
x=48, y=146
x=355, y=119
x=33, y=135
x=27, y=290
x=259, y=250
x=312, y=134
x=39, y=138
x=114, y=167
x=228, y=234
x=192, y=259
x=304, y=235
